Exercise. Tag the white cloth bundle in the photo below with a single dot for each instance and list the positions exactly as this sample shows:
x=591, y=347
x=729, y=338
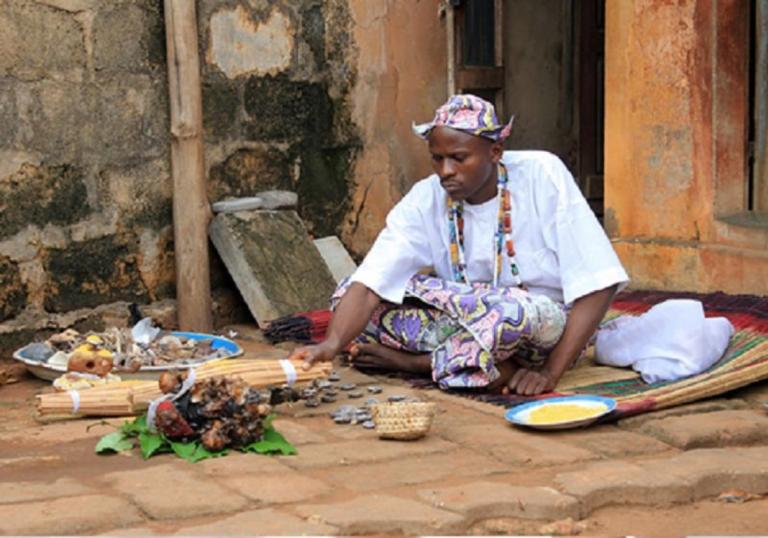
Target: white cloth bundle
x=671, y=341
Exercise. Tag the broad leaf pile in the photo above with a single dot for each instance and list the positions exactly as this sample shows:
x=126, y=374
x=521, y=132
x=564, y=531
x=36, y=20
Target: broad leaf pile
x=136, y=432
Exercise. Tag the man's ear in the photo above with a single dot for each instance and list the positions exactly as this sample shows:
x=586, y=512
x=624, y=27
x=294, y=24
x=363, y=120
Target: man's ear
x=497, y=150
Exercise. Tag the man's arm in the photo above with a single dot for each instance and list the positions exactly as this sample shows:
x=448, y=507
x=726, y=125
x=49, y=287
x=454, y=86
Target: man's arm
x=583, y=319
x=349, y=320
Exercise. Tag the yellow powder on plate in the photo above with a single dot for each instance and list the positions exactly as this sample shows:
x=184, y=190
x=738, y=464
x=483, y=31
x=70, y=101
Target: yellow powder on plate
x=555, y=413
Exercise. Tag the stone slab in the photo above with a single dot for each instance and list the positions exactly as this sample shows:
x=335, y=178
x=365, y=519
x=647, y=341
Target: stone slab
x=339, y=262
x=273, y=262
x=172, y=491
x=536, y=450
x=414, y=470
x=380, y=514
x=719, y=428
x=14, y=492
x=67, y=516
x=484, y=500
x=262, y=200
x=707, y=406
x=612, y=442
x=265, y=522
x=239, y=464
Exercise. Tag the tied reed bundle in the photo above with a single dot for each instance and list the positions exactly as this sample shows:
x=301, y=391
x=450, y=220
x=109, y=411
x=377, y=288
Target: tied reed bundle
x=133, y=397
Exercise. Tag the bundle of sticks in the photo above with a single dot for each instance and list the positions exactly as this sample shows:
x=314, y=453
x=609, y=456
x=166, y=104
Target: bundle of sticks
x=133, y=397
x=306, y=327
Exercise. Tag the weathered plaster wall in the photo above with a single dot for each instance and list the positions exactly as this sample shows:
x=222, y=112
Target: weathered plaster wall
x=315, y=96
x=675, y=165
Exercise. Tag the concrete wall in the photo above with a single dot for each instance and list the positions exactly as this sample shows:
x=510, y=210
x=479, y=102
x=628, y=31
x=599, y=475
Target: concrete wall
x=675, y=161
x=314, y=96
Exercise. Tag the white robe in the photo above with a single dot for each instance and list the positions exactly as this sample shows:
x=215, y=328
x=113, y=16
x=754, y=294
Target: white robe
x=561, y=249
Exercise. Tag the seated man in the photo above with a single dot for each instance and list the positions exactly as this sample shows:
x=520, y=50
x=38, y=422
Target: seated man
x=524, y=272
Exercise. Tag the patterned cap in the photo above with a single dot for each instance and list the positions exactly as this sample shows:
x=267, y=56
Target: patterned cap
x=470, y=114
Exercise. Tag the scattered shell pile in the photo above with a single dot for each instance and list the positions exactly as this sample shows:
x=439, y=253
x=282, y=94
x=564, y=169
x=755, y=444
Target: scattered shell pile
x=328, y=391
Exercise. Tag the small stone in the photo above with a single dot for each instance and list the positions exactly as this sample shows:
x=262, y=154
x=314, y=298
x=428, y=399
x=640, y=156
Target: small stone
x=371, y=401
x=374, y=389
x=342, y=419
x=355, y=394
x=396, y=398
x=325, y=398
x=348, y=386
x=322, y=383
x=334, y=376
x=363, y=417
x=330, y=392
x=369, y=425
x=311, y=403
x=308, y=393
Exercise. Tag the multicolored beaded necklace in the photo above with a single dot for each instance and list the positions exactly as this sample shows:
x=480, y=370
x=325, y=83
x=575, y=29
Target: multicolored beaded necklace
x=502, y=237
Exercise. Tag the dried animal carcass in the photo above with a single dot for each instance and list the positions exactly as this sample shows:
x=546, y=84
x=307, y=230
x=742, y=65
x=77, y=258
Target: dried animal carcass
x=221, y=411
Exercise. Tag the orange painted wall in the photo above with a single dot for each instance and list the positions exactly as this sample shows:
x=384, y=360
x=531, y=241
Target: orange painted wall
x=401, y=78
x=675, y=131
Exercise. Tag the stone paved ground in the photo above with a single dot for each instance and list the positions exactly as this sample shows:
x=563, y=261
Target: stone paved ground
x=473, y=474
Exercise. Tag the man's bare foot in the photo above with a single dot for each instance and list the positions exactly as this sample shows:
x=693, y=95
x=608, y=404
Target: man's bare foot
x=377, y=356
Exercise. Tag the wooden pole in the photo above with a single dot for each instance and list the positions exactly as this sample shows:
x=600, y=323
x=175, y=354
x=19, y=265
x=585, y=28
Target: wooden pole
x=191, y=212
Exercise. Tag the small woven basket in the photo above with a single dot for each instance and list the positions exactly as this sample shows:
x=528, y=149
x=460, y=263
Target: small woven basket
x=403, y=420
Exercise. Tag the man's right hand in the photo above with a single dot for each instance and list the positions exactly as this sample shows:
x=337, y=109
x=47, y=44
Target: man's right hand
x=312, y=354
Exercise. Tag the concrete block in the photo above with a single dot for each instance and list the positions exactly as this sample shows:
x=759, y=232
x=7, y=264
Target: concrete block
x=278, y=488
x=14, y=492
x=336, y=257
x=67, y=516
x=419, y=469
x=484, y=500
x=617, y=482
x=266, y=522
x=173, y=491
x=273, y=262
x=378, y=514
x=720, y=428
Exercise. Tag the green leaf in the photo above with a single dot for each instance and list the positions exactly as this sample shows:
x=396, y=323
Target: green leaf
x=271, y=443
x=194, y=451
x=114, y=442
x=152, y=443
x=135, y=427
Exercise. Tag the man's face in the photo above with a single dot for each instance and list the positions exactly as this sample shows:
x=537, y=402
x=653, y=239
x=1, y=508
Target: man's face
x=465, y=164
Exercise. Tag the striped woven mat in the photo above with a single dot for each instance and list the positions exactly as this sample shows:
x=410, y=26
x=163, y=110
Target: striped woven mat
x=745, y=361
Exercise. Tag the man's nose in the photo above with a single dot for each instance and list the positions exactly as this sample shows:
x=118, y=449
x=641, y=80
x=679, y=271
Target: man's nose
x=446, y=169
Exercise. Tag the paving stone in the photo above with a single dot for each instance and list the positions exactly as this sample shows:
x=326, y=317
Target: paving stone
x=719, y=428
x=175, y=490
x=712, y=471
x=73, y=515
x=278, y=488
x=707, y=406
x=611, y=442
x=273, y=262
x=131, y=531
x=238, y=464
x=537, y=450
x=265, y=522
x=297, y=433
x=56, y=433
x=616, y=482
x=14, y=492
x=476, y=429
x=414, y=470
x=755, y=394
x=484, y=500
x=379, y=514
x=362, y=451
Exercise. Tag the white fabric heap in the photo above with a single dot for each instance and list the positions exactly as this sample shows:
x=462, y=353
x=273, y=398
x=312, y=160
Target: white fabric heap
x=671, y=341
x=561, y=249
